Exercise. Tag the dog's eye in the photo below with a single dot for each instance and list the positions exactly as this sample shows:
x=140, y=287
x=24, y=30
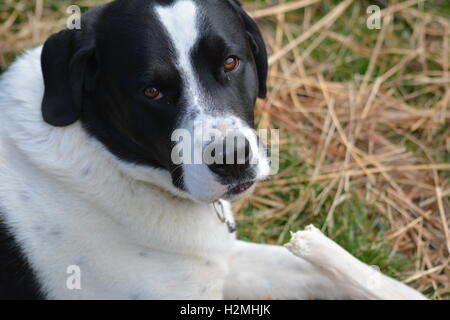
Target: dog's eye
x=152, y=93
x=230, y=63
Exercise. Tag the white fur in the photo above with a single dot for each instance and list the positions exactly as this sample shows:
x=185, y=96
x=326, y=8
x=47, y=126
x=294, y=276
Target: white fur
x=181, y=23
x=262, y=272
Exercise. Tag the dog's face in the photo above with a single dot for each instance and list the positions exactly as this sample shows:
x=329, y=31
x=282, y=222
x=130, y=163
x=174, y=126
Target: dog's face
x=140, y=71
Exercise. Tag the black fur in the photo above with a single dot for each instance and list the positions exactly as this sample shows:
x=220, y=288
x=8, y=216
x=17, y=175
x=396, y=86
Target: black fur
x=257, y=45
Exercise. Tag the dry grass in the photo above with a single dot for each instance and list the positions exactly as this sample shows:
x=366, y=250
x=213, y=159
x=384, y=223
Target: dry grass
x=364, y=126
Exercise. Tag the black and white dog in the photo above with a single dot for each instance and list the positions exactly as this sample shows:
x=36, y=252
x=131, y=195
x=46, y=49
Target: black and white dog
x=86, y=173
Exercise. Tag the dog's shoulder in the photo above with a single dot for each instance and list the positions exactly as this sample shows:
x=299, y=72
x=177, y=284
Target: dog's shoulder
x=24, y=72
x=21, y=91
x=17, y=279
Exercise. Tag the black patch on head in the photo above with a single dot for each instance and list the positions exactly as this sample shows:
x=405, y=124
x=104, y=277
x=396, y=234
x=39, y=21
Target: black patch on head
x=97, y=75
x=17, y=279
x=226, y=30
x=257, y=44
x=67, y=61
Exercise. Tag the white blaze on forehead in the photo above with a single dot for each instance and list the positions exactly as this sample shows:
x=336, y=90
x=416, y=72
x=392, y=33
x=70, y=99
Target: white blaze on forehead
x=180, y=22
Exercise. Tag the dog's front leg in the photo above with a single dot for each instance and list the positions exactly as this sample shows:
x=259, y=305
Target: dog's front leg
x=321, y=269
x=352, y=276
x=259, y=271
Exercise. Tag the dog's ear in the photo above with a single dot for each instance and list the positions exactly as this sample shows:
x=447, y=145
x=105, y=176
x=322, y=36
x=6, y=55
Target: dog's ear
x=65, y=59
x=258, y=46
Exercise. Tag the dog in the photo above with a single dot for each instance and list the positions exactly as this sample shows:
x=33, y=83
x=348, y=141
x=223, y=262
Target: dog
x=92, y=205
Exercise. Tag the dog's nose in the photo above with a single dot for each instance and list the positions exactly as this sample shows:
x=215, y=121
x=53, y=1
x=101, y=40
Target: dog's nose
x=233, y=158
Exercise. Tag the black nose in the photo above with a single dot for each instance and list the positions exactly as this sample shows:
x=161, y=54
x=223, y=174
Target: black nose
x=233, y=159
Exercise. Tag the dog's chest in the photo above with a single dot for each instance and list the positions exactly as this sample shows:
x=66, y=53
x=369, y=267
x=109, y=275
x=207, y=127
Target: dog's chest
x=135, y=247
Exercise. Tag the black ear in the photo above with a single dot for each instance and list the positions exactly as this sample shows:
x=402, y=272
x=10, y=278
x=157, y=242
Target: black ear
x=258, y=46
x=64, y=60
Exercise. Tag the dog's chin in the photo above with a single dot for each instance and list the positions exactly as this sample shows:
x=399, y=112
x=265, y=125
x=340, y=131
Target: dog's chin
x=227, y=192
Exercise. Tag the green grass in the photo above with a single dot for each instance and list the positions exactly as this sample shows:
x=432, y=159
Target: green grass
x=357, y=225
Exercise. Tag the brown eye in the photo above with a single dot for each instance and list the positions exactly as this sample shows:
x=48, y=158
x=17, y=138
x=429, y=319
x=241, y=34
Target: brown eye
x=152, y=93
x=230, y=63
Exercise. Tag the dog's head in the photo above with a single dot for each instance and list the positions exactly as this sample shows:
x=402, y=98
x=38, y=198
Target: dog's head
x=140, y=72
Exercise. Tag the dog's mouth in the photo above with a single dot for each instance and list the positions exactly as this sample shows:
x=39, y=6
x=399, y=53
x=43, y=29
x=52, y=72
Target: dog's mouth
x=240, y=188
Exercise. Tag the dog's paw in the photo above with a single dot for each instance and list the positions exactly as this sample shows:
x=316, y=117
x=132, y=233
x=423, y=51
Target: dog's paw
x=307, y=242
